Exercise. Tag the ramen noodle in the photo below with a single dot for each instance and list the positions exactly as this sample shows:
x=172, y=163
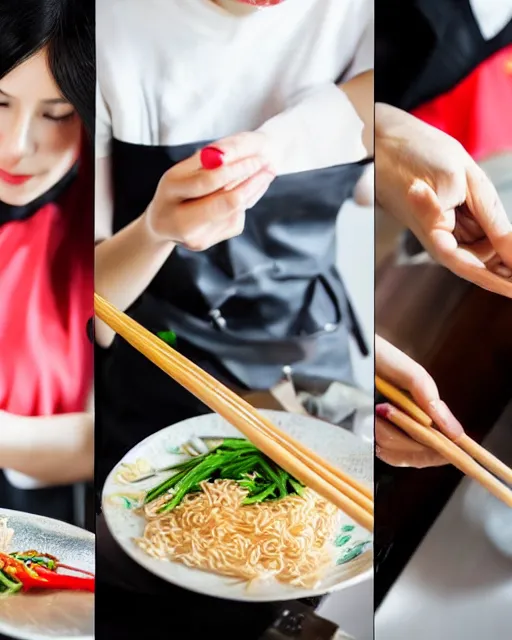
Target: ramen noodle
x=6, y=535
x=289, y=540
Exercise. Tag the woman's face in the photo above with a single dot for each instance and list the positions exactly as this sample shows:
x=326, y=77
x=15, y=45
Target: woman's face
x=40, y=132
x=250, y=3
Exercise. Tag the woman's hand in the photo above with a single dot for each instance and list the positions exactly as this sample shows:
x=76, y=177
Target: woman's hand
x=393, y=446
x=430, y=183
x=198, y=208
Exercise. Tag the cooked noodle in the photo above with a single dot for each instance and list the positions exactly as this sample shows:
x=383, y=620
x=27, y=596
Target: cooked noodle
x=288, y=539
x=6, y=535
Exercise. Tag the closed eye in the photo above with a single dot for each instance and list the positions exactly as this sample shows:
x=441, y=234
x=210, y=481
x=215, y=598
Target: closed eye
x=63, y=118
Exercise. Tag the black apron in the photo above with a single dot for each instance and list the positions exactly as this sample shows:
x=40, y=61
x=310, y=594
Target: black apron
x=242, y=310
x=423, y=48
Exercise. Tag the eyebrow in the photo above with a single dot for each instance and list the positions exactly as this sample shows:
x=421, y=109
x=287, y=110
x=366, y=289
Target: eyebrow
x=49, y=101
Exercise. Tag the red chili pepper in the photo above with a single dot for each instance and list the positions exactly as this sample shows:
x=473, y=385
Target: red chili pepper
x=54, y=580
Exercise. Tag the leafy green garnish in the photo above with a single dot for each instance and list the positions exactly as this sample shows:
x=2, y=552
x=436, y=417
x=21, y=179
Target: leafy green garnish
x=8, y=585
x=48, y=563
x=168, y=337
x=235, y=459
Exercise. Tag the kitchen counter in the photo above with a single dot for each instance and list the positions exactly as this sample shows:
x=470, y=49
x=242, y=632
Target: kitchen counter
x=458, y=585
x=351, y=610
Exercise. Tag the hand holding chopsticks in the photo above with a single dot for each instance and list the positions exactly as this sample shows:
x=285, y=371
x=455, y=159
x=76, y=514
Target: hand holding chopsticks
x=347, y=493
x=463, y=452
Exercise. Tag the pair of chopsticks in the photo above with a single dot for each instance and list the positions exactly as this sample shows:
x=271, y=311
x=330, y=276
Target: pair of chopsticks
x=348, y=494
x=463, y=453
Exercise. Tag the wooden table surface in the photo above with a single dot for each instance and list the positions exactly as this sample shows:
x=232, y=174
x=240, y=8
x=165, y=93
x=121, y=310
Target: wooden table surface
x=463, y=336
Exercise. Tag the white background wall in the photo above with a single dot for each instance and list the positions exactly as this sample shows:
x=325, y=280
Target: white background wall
x=356, y=264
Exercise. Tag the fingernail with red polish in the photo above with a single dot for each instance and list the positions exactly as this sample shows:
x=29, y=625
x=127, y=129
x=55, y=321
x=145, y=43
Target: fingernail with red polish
x=211, y=158
x=382, y=410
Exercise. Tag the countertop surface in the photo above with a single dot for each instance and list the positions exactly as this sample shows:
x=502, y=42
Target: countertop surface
x=458, y=585
x=351, y=610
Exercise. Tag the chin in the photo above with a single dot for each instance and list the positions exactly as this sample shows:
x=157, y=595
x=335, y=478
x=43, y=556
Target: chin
x=20, y=195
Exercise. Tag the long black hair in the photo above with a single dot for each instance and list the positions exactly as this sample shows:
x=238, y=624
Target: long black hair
x=66, y=27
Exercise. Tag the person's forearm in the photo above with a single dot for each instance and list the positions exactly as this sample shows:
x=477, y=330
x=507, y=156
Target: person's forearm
x=331, y=125
x=360, y=93
x=53, y=450
x=125, y=264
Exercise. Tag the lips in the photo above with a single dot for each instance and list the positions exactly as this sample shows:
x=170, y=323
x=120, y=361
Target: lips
x=262, y=3
x=12, y=178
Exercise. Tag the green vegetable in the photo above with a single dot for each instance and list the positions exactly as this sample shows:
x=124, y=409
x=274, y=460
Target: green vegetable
x=48, y=563
x=169, y=337
x=203, y=471
x=235, y=459
x=296, y=486
x=7, y=585
x=164, y=486
x=260, y=497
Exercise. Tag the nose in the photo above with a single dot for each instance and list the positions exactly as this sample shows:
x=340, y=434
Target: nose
x=17, y=141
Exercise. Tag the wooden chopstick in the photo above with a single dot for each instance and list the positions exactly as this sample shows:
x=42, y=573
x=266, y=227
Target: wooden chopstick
x=481, y=455
x=342, y=481
x=335, y=476
x=346, y=493
x=399, y=398
x=486, y=459
x=448, y=449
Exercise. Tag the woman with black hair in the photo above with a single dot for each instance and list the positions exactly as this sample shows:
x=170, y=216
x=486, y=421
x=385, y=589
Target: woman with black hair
x=46, y=252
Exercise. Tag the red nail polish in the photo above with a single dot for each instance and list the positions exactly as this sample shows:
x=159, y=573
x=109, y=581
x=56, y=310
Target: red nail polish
x=211, y=158
x=382, y=410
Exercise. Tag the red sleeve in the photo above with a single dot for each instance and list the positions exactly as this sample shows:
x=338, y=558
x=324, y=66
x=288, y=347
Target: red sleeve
x=478, y=111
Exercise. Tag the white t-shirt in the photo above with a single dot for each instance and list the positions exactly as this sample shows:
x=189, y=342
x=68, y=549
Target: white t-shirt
x=173, y=72
x=492, y=16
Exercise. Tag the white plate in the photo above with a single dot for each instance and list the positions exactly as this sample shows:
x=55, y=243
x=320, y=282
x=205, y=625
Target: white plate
x=66, y=615
x=160, y=450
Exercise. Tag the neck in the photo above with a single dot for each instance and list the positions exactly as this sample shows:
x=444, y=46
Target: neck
x=236, y=8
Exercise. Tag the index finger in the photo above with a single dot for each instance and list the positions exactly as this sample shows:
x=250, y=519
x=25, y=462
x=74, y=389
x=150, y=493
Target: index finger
x=485, y=205
x=405, y=373
x=465, y=264
x=243, y=145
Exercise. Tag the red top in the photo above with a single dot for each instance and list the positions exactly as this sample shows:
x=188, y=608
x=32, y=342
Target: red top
x=478, y=111
x=46, y=299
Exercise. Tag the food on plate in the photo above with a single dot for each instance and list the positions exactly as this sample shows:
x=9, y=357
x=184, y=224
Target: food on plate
x=29, y=570
x=233, y=459
x=234, y=512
